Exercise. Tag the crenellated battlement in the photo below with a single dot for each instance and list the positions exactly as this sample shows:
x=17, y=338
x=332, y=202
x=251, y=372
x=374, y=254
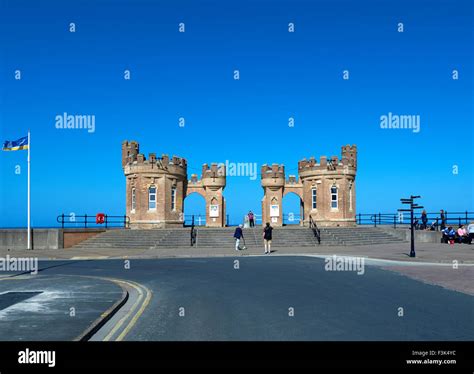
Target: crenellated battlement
x=133, y=161
x=213, y=171
x=272, y=171
x=349, y=153
x=213, y=176
x=130, y=152
x=311, y=163
x=175, y=161
x=194, y=179
x=272, y=176
x=292, y=179
x=348, y=159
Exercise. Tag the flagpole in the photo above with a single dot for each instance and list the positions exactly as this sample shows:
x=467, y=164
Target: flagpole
x=29, y=208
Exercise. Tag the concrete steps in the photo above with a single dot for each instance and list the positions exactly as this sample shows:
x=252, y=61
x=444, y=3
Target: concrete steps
x=254, y=237
x=357, y=236
x=288, y=236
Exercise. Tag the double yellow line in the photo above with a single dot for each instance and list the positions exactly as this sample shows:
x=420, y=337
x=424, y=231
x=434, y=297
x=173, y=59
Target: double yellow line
x=144, y=297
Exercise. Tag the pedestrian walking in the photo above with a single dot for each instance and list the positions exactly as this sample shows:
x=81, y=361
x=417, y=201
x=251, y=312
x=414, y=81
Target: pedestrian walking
x=238, y=234
x=267, y=238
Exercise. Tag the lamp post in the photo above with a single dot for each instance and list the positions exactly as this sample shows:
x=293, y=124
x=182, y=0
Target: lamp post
x=413, y=206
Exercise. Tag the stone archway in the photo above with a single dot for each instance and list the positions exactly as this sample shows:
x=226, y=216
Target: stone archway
x=326, y=190
x=194, y=205
x=289, y=216
x=211, y=187
x=275, y=188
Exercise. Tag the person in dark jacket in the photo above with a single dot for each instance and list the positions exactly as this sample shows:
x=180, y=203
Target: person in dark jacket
x=238, y=234
x=424, y=220
x=267, y=238
x=443, y=219
x=449, y=235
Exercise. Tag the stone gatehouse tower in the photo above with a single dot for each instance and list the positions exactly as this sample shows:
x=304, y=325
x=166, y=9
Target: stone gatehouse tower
x=326, y=190
x=156, y=189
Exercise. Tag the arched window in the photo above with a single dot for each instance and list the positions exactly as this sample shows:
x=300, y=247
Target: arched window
x=134, y=199
x=314, y=202
x=152, y=198
x=334, y=197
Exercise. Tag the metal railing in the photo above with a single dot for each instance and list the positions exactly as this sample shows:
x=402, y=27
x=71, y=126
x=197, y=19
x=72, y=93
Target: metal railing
x=89, y=221
x=291, y=219
x=194, y=220
x=314, y=227
x=434, y=221
x=199, y=220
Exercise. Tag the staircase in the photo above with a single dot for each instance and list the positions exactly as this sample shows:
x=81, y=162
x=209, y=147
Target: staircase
x=288, y=236
x=282, y=237
x=358, y=236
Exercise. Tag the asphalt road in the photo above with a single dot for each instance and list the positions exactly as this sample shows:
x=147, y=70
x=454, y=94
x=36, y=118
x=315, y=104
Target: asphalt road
x=52, y=307
x=279, y=298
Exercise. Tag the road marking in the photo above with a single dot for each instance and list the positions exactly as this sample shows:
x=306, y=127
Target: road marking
x=136, y=316
x=131, y=312
x=132, y=316
x=124, y=318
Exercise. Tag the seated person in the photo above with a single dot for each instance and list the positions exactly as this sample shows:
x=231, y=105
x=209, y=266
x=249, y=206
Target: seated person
x=450, y=235
x=470, y=232
x=461, y=234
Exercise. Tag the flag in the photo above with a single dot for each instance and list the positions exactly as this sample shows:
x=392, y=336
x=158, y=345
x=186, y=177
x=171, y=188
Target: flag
x=16, y=145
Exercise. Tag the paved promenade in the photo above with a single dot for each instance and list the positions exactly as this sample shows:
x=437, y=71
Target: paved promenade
x=425, y=252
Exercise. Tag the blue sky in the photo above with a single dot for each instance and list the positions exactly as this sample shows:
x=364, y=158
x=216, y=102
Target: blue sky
x=190, y=75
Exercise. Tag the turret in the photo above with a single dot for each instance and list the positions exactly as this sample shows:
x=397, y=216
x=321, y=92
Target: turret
x=273, y=176
x=129, y=152
x=349, y=153
x=214, y=176
x=346, y=165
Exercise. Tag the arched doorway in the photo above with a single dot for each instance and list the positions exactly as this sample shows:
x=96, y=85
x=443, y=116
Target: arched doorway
x=292, y=205
x=195, y=205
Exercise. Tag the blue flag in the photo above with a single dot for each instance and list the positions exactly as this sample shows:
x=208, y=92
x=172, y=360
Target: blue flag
x=16, y=145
